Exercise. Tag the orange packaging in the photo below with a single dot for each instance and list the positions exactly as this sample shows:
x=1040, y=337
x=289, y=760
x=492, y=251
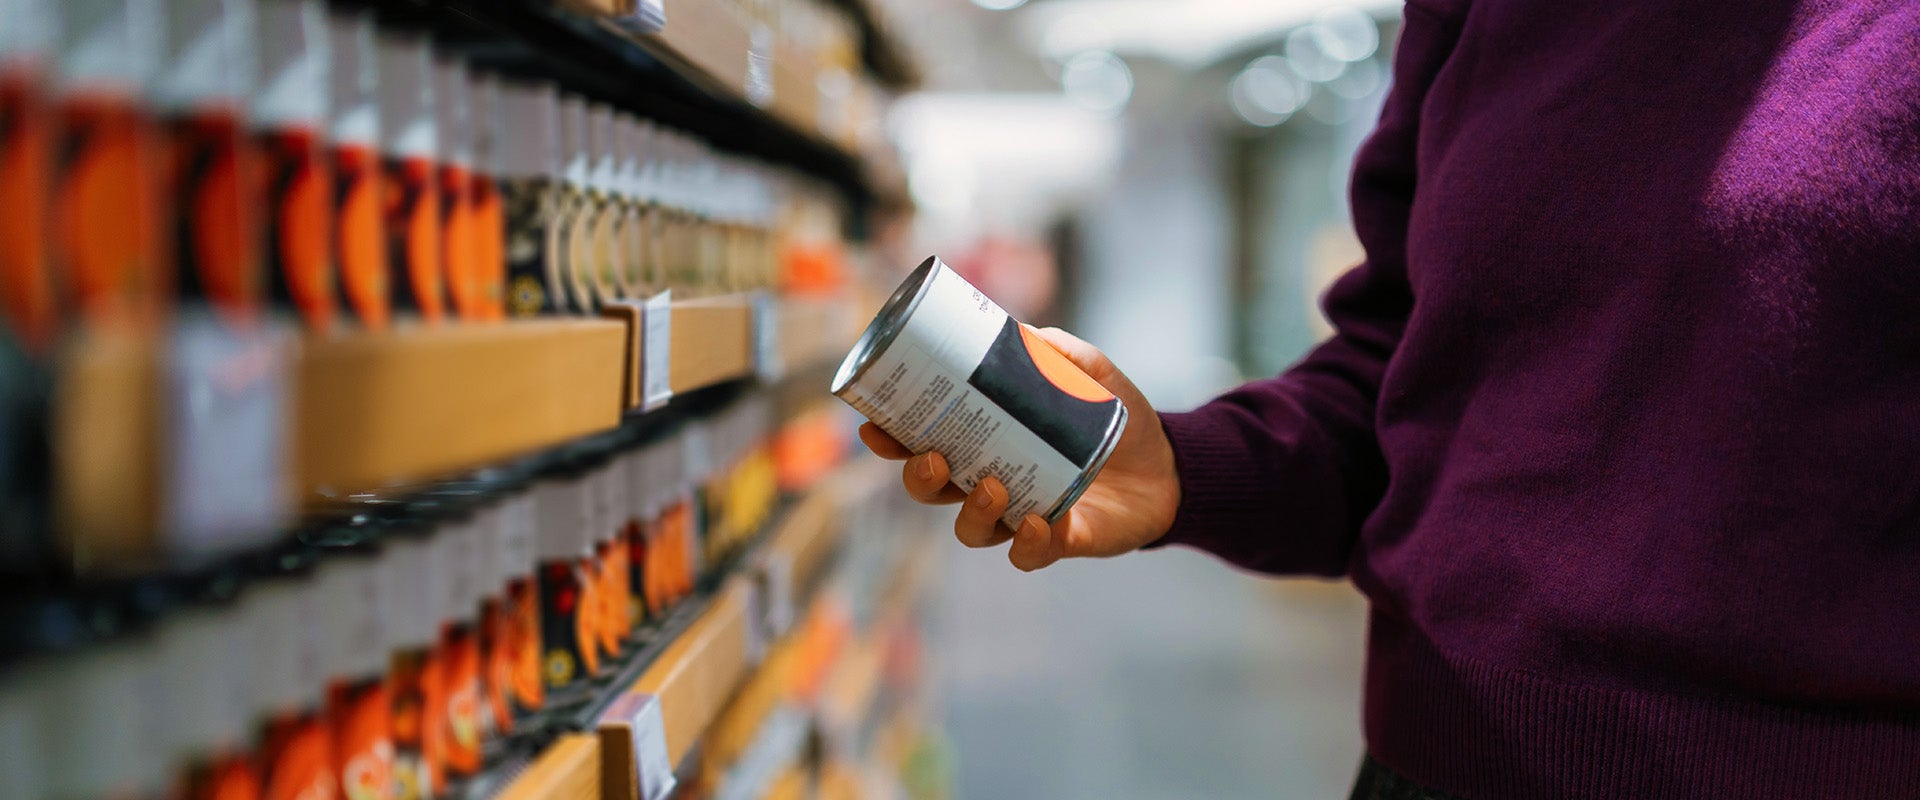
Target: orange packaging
x=569, y=654
x=212, y=167
x=28, y=301
x=359, y=221
x=610, y=629
x=489, y=204
x=518, y=660
x=108, y=251
x=363, y=739
x=296, y=760
x=459, y=240
x=290, y=119
x=507, y=557
x=288, y=678
x=411, y=574
x=456, y=712
x=351, y=591
x=410, y=190
x=230, y=778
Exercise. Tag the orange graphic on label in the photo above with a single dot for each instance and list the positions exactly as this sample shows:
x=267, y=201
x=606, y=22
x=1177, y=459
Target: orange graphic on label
x=1061, y=372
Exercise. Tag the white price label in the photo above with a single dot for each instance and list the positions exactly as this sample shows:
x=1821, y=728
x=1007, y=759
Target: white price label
x=656, y=351
x=766, y=336
x=654, y=768
x=227, y=408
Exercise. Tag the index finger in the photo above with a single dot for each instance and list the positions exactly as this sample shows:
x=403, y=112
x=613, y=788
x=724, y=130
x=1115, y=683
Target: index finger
x=882, y=444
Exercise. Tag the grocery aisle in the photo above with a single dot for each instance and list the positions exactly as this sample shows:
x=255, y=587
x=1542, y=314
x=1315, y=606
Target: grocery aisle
x=1158, y=675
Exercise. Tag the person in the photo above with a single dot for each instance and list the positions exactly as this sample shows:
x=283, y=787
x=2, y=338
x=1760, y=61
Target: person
x=1619, y=430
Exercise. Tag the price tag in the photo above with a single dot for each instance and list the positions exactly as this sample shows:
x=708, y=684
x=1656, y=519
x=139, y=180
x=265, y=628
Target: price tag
x=766, y=336
x=656, y=351
x=654, y=768
x=648, y=16
x=226, y=405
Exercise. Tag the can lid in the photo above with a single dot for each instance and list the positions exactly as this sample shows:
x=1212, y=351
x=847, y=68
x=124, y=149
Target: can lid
x=32, y=30
x=353, y=78
x=407, y=123
x=601, y=146
x=453, y=114
x=209, y=54
x=294, y=55
x=531, y=142
x=573, y=140
x=488, y=122
x=887, y=324
x=111, y=45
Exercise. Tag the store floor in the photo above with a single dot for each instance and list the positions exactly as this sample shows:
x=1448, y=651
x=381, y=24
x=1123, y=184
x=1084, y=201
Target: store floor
x=1157, y=676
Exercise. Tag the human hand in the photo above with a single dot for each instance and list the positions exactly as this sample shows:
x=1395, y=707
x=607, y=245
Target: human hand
x=1130, y=504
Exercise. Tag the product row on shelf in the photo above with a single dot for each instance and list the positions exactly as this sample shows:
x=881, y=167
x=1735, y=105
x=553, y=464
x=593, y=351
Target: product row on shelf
x=241, y=155
x=437, y=640
x=257, y=251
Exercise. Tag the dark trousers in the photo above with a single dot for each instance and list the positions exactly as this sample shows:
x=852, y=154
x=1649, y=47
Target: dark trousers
x=1376, y=782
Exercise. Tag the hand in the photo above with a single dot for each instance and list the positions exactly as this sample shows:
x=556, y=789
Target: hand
x=1130, y=504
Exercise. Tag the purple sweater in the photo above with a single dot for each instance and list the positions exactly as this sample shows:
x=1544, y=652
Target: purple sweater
x=1620, y=431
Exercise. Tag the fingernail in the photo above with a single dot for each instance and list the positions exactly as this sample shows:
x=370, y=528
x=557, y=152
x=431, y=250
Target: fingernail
x=982, y=499
x=1032, y=529
x=925, y=470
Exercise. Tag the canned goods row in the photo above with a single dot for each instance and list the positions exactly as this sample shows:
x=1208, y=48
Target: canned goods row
x=393, y=648
x=261, y=156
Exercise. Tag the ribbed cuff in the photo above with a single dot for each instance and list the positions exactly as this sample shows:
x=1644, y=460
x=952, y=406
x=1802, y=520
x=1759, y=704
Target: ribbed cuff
x=1480, y=730
x=1222, y=482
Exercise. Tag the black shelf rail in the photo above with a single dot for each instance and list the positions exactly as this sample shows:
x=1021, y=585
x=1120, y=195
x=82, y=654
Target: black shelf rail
x=537, y=40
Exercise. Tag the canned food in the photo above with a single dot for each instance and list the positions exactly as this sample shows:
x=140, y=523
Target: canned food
x=943, y=368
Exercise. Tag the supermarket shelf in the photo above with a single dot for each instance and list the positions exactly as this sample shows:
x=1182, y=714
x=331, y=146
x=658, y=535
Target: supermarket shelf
x=427, y=401
x=538, y=40
x=569, y=769
x=712, y=342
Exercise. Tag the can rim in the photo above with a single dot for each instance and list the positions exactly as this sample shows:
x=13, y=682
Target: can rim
x=1109, y=443
x=886, y=325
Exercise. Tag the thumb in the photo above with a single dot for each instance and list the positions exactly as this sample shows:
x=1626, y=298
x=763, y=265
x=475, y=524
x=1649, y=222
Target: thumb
x=1085, y=356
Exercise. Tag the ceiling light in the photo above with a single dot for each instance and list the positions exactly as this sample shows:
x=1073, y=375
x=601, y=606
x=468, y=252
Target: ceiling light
x=1097, y=81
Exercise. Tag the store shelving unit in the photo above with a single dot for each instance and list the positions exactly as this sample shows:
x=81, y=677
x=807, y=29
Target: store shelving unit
x=365, y=411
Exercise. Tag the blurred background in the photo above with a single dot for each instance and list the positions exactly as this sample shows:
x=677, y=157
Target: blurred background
x=1166, y=179
x=349, y=345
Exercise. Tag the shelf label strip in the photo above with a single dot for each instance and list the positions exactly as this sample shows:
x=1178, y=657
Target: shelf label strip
x=656, y=348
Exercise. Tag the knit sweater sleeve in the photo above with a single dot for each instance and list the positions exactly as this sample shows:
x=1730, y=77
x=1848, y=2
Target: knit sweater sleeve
x=1278, y=475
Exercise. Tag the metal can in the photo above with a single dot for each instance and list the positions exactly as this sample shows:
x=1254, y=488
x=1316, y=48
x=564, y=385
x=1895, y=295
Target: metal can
x=943, y=368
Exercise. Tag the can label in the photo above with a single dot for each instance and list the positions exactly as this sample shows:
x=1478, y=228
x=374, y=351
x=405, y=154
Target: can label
x=965, y=379
x=215, y=223
x=489, y=245
x=458, y=714
x=109, y=247
x=414, y=684
x=567, y=601
x=360, y=234
x=363, y=740
x=533, y=247
x=457, y=245
x=521, y=638
x=229, y=777
x=412, y=199
x=299, y=225
x=297, y=755
x=27, y=297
